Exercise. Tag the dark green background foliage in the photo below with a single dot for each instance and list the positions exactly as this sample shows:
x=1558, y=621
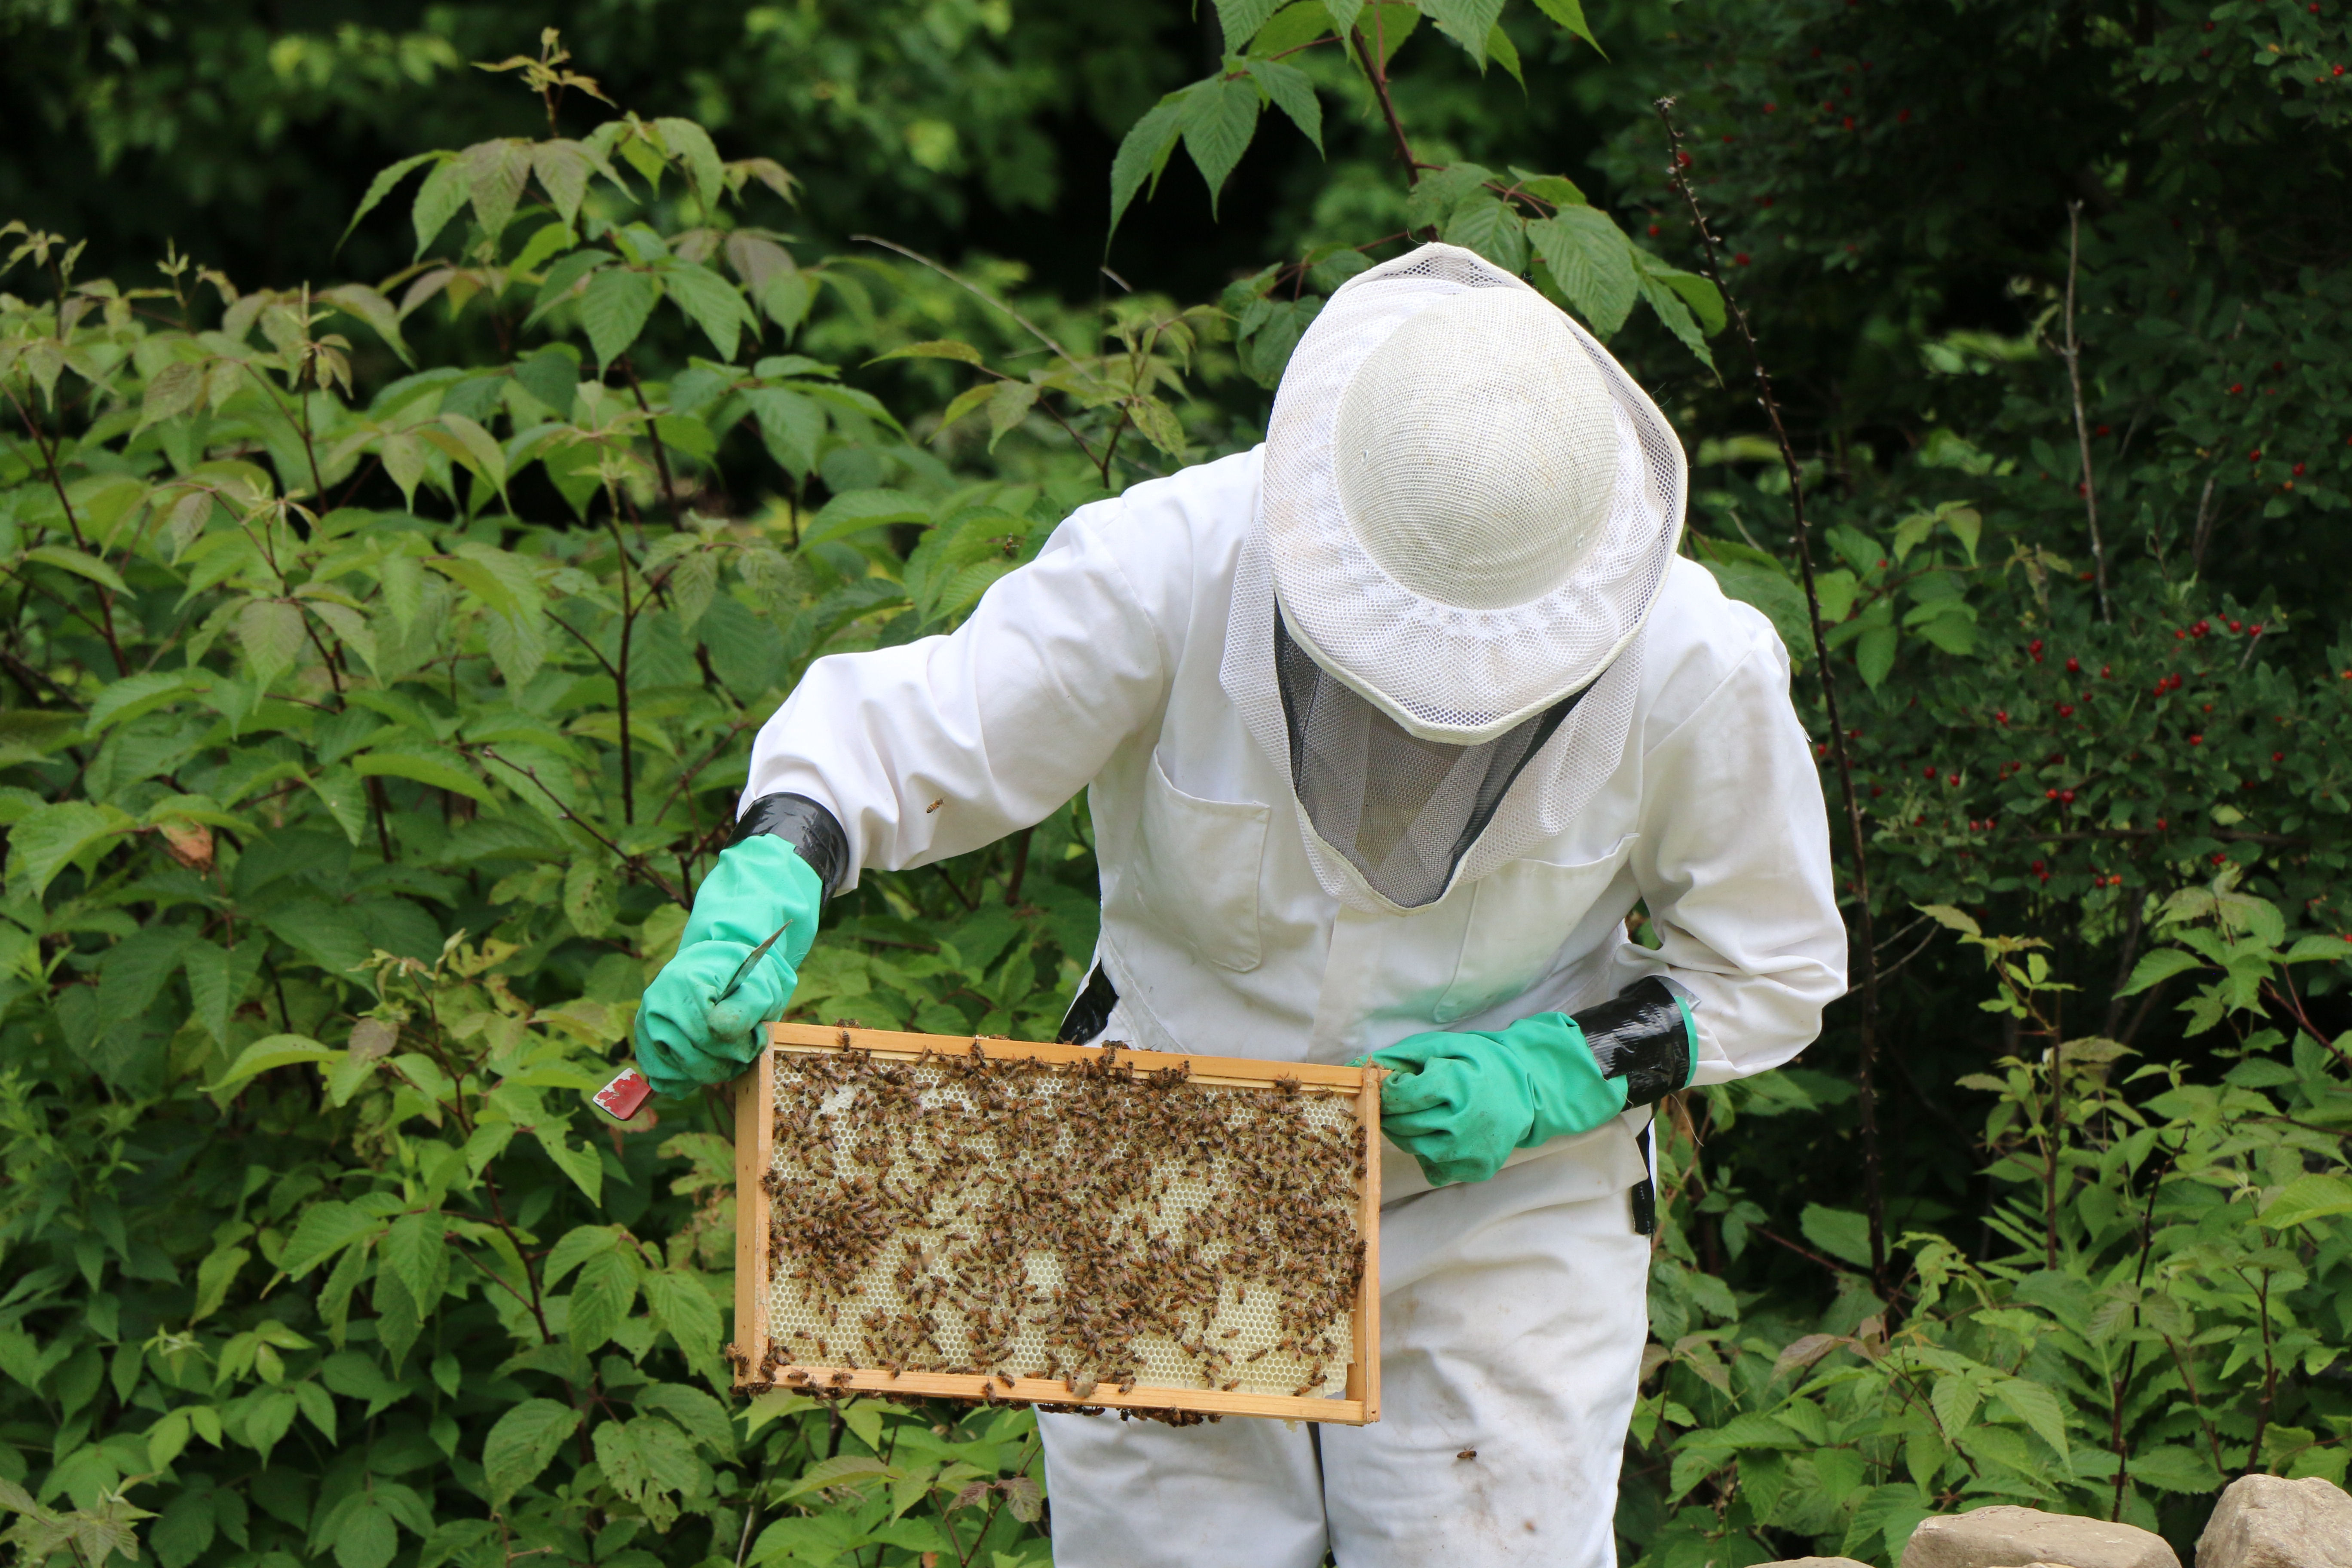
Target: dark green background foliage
x=385, y=630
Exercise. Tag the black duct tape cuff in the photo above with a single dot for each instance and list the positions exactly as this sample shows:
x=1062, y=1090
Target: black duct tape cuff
x=808, y=827
x=1089, y=1013
x=1640, y=1037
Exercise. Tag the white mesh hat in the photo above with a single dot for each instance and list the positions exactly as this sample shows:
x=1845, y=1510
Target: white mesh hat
x=1469, y=506
x=1466, y=511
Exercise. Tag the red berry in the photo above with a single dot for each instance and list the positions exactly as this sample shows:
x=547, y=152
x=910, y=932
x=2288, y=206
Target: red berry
x=2065, y=709
x=1878, y=790
x=2278, y=756
x=1918, y=821
x=1770, y=108
x=2234, y=625
x=1849, y=122
x=2001, y=715
x=2065, y=798
x=2200, y=629
x=2101, y=430
x=1682, y=158
x=2050, y=795
x=2236, y=387
x=2161, y=824
x=1653, y=231
x=1953, y=780
x=1929, y=773
x=1740, y=258
x=2219, y=856
x=2106, y=671
x=2255, y=455
x=2245, y=784
x=2298, y=468
x=2256, y=630
x=2196, y=740
x=2177, y=636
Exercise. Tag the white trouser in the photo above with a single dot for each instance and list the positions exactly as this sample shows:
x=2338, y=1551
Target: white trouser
x=1512, y=1314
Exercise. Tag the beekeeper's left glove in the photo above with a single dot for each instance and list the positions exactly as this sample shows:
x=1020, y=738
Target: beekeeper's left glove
x=1460, y=1103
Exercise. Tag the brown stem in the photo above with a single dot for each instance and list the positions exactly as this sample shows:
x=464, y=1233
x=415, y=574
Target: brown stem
x=634, y=862
x=1865, y=1088
x=661, y=453
x=1376, y=69
x=57, y=483
x=2073, y=357
x=2131, y=1356
x=1020, y=865
x=621, y=681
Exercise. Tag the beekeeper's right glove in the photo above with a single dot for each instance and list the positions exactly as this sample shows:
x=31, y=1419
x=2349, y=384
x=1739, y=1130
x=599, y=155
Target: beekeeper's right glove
x=787, y=857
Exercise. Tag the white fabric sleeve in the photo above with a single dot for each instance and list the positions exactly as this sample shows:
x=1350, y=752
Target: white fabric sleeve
x=1733, y=863
x=948, y=743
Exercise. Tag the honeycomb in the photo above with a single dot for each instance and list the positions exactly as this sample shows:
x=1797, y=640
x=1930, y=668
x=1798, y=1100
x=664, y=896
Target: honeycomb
x=1100, y=1223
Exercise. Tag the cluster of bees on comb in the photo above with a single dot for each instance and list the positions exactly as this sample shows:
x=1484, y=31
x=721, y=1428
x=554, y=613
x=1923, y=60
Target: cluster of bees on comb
x=1104, y=1224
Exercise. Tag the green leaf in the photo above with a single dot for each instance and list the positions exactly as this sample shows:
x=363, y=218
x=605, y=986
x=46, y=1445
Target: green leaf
x=1592, y=263
x=613, y=312
x=855, y=511
x=842, y=1469
x=1467, y=22
x=2039, y=1408
x=1486, y=224
x=42, y=842
x=1569, y=14
x=272, y=1051
x=587, y=1172
x=789, y=424
x=1009, y=402
x=691, y=144
x=1874, y=655
x=415, y=1250
x=495, y=174
x=1241, y=20
x=937, y=348
x=428, y=764
x=710, y=302
x=704, y=1418
x=2174, y=1469
x=1841, y=1233
x=2156, y=967
x=363, y=1535
x=2306, y=1198
x=381, y=187
x=324, y=1230
x=270, y=630
x=1219, y=119
x=1673, y=312
x=1143, y=151
x=685, y=1311
x=80, y=563
x=1293, y=92
x=600, y=1299
x=519, y=1446
x=438, y=200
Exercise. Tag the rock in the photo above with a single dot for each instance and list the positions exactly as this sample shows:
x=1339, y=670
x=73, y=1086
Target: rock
x=2003, y=1536
x=2269, y=1521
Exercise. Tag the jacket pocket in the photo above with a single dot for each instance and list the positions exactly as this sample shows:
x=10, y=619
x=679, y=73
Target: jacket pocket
x=1197, y=870
x=1520, y=917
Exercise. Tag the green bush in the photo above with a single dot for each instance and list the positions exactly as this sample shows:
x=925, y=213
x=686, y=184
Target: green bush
x=383, y=663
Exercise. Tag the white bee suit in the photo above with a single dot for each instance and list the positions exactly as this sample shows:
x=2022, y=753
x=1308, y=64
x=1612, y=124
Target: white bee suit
x=1512, y=1312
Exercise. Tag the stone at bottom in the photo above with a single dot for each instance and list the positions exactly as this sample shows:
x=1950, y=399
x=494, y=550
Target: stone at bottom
x=2003, y=1536
x=2269, y=1521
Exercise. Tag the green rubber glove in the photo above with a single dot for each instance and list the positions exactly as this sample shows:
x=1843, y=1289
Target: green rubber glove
x=1460, y=1103
x=686, y=1035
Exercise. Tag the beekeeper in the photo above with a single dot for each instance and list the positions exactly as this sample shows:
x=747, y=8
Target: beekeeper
x=1386, y=726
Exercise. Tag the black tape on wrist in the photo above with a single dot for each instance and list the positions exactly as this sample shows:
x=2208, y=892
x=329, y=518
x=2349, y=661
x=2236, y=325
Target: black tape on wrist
x=813, y=832
x=1640, y=1037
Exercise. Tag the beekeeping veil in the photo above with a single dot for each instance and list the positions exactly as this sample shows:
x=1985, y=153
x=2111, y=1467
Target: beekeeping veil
x=1467, y=510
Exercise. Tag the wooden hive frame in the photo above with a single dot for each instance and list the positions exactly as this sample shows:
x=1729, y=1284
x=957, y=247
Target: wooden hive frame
x=1360, y=1402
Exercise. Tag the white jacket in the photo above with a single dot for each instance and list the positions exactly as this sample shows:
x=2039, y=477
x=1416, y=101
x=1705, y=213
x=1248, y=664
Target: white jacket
x=1096, y=667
